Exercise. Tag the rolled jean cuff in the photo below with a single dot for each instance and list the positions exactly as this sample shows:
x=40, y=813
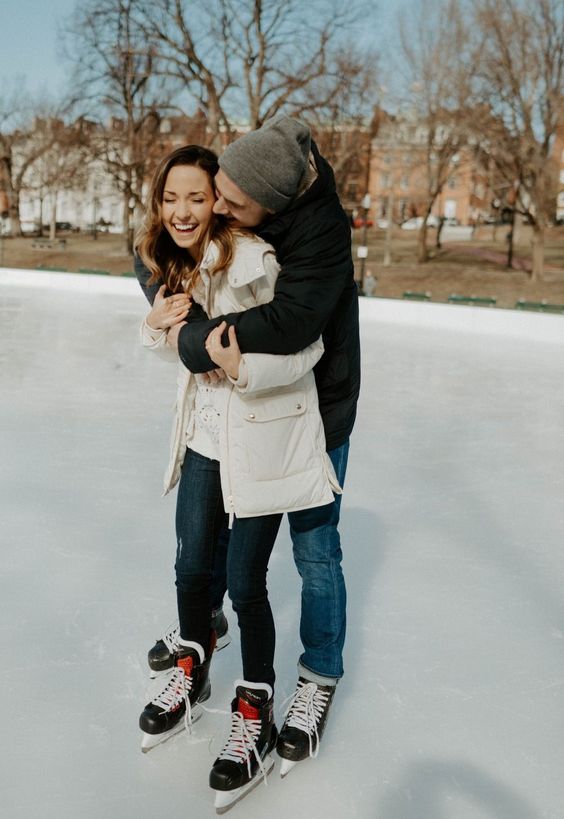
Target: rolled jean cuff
x=320, y=679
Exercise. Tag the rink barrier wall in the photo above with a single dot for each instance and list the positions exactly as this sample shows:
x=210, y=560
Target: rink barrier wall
x=450, y=317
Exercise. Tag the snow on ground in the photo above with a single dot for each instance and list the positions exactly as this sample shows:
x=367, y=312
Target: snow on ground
x=452, y=703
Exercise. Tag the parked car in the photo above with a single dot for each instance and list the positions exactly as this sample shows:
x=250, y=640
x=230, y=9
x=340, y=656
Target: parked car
x=416, y=221
x=62, y=226
x=29, y=227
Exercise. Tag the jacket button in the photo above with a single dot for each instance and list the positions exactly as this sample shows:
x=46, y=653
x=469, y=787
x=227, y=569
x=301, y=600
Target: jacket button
x=298, y=406
x=252, y=416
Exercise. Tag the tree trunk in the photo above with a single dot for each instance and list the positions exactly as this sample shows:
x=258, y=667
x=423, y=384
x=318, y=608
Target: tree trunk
x=128, y=226
x=538, y=253
x=389, y=229
x=422, y=250
x=128, y=244
x=439, y=231
x=53, y=223
x=14, y=210
x=40, y=231
x=511, y=242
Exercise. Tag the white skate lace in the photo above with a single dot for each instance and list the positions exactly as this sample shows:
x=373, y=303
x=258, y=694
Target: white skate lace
x=177, y=688
x=171, y=637
x=241, y=744
x=305, y=710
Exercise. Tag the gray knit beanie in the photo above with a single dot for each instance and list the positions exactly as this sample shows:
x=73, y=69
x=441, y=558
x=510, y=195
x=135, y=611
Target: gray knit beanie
x=269, y=164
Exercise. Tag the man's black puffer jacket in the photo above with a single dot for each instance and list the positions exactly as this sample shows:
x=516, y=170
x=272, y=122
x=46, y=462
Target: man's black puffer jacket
x=315, y=295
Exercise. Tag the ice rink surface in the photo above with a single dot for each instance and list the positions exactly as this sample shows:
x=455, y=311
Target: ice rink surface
x=452, y=706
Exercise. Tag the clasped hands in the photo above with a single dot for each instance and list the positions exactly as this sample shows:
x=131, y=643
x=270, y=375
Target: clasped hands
x=168, y=313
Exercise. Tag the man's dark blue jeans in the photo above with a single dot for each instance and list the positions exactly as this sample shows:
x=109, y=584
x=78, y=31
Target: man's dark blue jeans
x=200, y=522
x=318, y=556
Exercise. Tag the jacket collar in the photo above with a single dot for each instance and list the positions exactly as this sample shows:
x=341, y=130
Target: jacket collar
x=247, y=264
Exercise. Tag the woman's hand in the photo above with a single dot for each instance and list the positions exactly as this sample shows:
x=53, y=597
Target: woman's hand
x=168, y=311
x=228, y=358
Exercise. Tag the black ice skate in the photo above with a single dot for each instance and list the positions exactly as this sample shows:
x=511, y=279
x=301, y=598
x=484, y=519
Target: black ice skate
x=304, y=723
x=162, y=655
x=177, y=705
x=245, y=758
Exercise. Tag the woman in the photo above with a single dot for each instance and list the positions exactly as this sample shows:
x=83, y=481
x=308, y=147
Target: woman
x=245, y=448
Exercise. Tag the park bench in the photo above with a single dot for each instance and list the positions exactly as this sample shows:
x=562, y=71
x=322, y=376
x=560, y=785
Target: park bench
x=49, y=244
x=473, y=301
x=411, y=295
x=539, y=306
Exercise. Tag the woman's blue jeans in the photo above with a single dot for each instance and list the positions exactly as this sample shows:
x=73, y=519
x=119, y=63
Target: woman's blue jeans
x=200, y=531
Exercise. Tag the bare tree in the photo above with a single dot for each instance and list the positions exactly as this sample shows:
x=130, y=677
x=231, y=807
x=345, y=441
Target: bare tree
x=115, y=70
x=29, y=129
x=345, y=126
x=435, y=48
x=64, y=165
x=520, y=85
x=242, y=61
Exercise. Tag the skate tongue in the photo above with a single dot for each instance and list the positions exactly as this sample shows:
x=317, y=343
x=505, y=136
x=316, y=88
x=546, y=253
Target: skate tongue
x=186, y=664
x=248, y=711
x=249, y=702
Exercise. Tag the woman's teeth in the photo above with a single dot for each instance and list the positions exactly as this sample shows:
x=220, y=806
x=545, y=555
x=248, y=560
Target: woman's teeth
x=185, y=228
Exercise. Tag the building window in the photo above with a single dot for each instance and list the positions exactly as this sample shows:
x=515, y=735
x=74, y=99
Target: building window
x=451, y=182
x=404, y=182
x=562, y=176
x=385, y=180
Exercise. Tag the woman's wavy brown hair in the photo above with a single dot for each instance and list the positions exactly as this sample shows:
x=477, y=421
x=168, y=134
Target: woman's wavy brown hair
x=167, y=262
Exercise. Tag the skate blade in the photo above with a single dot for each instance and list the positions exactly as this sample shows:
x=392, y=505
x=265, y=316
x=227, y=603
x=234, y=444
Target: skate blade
x=224, y=800
x=151, y=741
x=286, y=766
x=223, y=641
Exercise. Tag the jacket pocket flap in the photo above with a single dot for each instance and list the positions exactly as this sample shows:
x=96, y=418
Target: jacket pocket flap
x=271, y=408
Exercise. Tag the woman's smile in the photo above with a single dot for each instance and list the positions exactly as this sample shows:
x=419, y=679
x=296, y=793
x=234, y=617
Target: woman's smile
x=187, y=207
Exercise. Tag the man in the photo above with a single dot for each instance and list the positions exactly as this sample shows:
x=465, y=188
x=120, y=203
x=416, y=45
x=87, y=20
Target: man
x=274, y=181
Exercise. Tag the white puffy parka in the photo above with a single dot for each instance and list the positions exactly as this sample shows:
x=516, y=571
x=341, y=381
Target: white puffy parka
x=272, y=444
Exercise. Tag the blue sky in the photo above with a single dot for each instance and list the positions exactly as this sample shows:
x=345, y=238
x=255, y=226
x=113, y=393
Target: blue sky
x=28, y=40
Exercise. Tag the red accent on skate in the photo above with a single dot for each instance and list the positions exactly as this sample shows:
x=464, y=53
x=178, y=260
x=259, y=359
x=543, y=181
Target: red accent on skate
x=248, y=710
x=186, y=664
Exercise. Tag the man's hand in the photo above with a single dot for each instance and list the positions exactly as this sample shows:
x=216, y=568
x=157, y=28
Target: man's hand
x=226, y=357
x=211, y=377
x=168, y=312
x=173, y=333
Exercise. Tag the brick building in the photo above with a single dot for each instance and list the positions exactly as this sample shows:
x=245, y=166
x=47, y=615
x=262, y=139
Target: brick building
x=398, y=176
